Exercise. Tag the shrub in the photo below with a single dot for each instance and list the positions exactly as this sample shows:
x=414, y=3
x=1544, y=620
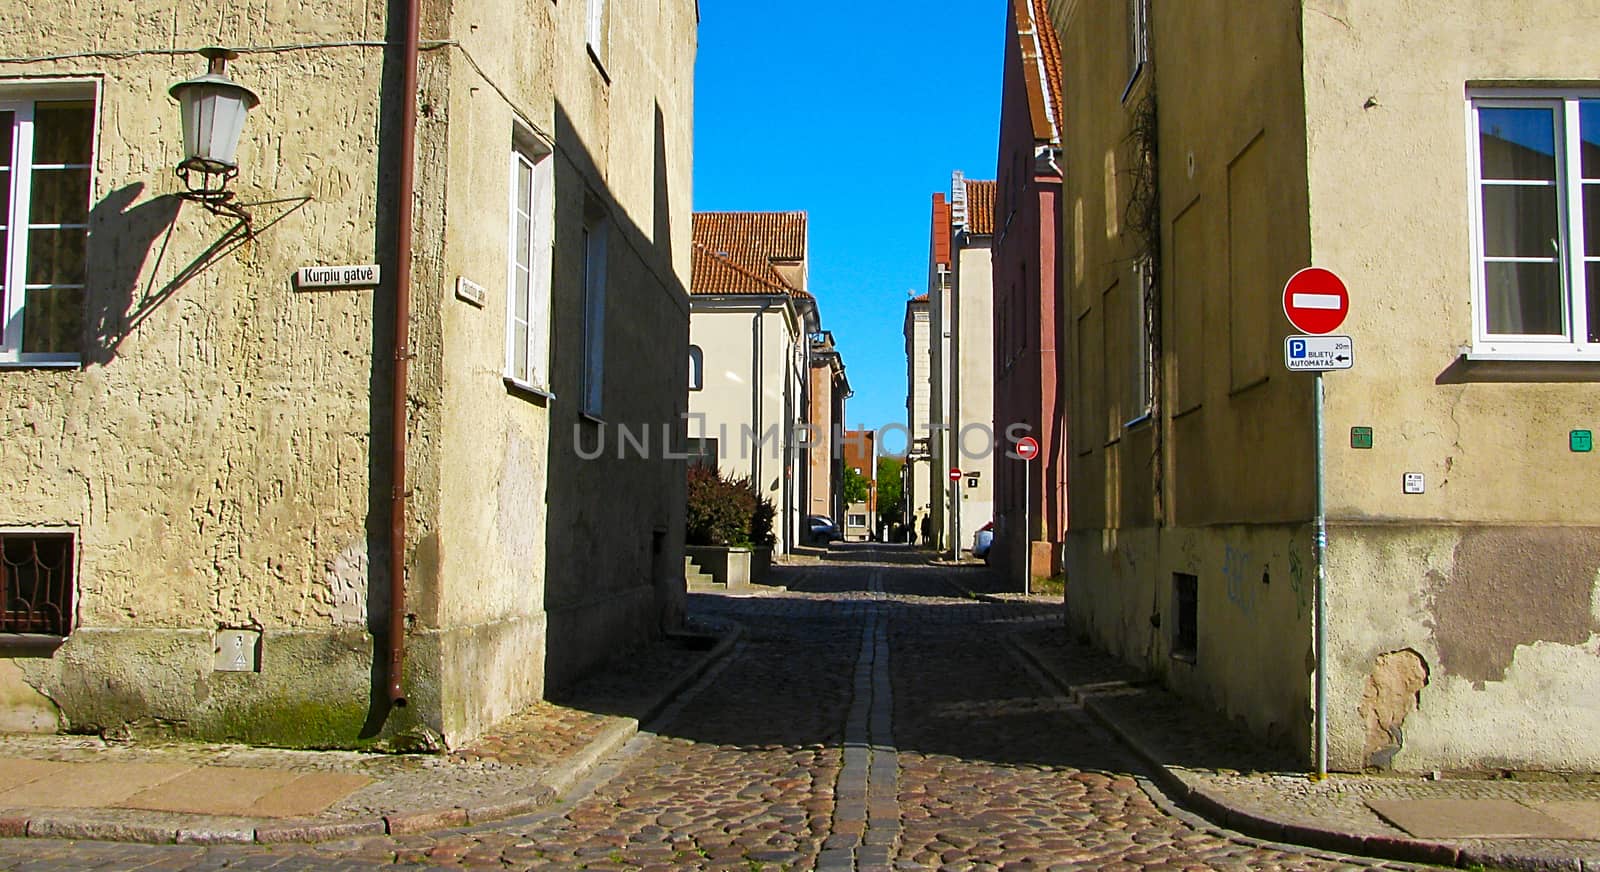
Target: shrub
x=724, y=511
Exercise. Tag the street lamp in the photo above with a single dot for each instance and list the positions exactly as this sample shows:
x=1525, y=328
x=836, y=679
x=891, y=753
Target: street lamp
x=213, y=108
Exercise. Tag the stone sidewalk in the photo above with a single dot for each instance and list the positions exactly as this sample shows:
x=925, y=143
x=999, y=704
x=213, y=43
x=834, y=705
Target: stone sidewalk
x=84, y=787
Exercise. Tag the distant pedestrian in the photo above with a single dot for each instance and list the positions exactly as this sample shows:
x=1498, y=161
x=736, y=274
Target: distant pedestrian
x=927, y=528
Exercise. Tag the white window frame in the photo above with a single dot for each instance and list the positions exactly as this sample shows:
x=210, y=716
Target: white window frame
x=1142, y=379
x=1573, y=346
x=594, y=28
x=697, y=368
x=595, y=233
x=14, y=291
x=1138, y=41
x=539, y=208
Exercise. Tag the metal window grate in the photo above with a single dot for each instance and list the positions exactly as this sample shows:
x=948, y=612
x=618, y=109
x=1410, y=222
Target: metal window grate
x=36, y=583
x=1186, y=604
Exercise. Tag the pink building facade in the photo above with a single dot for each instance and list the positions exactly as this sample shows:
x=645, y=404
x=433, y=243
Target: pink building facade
x=1029, y=329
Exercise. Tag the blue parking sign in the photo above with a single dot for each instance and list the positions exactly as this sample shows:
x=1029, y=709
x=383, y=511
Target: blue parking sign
x=1297, y=348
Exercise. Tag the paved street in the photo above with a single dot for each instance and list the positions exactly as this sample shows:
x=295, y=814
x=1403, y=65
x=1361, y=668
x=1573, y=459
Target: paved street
x=872, y=718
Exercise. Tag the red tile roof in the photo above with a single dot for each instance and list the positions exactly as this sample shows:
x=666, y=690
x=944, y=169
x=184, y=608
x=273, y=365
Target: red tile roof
x=734, y=252
x=1049, y=43
x=980, y=207
x=920, y=298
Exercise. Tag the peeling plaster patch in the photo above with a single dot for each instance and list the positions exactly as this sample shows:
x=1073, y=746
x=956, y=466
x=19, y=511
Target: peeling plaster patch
x=347, y=583
x=1393, y=691
x=1510, y=587
x=23, y=709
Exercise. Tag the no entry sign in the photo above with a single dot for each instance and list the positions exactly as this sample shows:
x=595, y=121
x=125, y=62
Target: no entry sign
x=955, y=474
x=1315, y=301
x=1027, y=448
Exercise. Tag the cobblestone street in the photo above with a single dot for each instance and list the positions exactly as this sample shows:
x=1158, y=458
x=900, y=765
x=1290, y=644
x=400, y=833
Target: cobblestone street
x=873, y=717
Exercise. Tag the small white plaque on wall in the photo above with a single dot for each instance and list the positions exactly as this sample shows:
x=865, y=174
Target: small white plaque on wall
x=322, y=278
x=471, y=291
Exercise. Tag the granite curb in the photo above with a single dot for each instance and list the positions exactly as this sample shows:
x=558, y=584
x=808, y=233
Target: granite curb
x=202, y=830
x=1218, y=811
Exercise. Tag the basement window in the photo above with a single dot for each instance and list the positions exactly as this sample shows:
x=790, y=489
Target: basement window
x=1185, y=606
x=36, y=581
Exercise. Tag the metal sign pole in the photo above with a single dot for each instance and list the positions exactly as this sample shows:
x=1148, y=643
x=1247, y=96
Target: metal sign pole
x=1321, y=548
x=1027, y=531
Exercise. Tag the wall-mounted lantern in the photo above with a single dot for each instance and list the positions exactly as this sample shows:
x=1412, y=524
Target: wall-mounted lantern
x=213, y=108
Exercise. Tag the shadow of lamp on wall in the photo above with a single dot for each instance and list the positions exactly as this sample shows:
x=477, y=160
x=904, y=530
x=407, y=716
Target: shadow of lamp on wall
x=214, y=108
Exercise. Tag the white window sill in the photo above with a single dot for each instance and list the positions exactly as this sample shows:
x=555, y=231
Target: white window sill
x=41, y=362
x=1565, y=355
x=522, y=387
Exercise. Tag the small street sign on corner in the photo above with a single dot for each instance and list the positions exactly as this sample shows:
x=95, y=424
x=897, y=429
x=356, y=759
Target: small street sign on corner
x=1318, y=353
x=1027, y=448
x=955, y=474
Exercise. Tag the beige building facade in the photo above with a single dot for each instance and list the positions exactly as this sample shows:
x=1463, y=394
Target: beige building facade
x=918, y=486
x=1436, y=157
x=197, y=481
x=750, y=321
x=974, y=443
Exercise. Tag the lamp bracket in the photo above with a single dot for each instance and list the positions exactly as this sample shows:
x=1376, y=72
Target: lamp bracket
x=206, y=183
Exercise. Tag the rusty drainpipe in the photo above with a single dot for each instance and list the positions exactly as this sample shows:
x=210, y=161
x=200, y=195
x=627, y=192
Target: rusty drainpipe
x=402, y=358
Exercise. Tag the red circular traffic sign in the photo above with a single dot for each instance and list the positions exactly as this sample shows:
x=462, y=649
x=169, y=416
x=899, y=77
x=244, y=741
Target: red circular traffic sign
x=1027, y=448
x=1315, y=301
x=955, y=474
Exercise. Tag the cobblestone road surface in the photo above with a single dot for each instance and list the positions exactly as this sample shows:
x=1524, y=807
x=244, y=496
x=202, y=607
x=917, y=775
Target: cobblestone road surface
x=872, y=718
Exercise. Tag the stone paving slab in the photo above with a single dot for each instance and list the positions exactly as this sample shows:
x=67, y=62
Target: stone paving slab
x=87, y=787
x=1472, y=819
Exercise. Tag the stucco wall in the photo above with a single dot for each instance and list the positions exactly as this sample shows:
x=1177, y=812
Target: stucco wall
x=973, y=324
x=213, y=453
x=1488, y=576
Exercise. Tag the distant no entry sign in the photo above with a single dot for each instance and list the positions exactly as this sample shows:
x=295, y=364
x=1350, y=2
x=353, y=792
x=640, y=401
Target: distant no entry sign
x=955, y=474
x=1027, y=448
x=1315, y=301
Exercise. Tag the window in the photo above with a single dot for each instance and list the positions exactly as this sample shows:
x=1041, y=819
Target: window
x=36, y=580
x=46, y=151
x=702, y=452
x=528, y=279
x=1138, y=40
x=1143, y=363
x=1536, y=161
x=594, y=315
x=594, y=29
x=858, y=520
x=1186, y=609
x=697, y=368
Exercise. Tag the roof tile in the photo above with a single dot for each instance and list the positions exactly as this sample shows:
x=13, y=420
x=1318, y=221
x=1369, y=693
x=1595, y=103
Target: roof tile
x=980, y=207
x=734, y=252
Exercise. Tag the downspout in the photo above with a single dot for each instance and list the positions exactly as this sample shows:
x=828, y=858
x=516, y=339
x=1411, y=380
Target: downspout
x=402, y=354
x=756, y=386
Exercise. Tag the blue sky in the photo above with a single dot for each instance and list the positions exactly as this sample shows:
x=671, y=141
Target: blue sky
x=856, y=113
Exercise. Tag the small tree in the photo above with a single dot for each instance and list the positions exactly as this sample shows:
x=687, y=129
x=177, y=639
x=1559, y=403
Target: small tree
x=726, y=511
x=889, y=490
x=855, y=486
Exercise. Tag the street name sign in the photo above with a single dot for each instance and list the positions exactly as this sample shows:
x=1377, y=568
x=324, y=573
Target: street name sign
x=1315, y=301
x=1027, y=448
x=1318, y=353
x=308, y=278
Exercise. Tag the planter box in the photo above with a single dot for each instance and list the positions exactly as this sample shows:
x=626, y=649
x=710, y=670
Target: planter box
x=728, y=566
x=760, y=563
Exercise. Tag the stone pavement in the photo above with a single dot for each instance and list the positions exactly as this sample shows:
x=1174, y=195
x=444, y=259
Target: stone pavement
x=879, y=714
x=88, y=787
x=1492, y=820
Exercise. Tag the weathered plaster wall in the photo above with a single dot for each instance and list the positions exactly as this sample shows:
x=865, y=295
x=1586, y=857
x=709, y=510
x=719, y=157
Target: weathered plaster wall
x=1253, y=657
x=624, y=133
x=213, y=453
x=1219, y=484
x=1488, y=576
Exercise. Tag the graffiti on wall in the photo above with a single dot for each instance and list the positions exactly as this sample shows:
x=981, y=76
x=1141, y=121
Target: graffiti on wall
x=1298, y=583
x=1236, y=571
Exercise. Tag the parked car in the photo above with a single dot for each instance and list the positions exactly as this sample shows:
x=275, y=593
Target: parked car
x=982, y=541
x=822, y=529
